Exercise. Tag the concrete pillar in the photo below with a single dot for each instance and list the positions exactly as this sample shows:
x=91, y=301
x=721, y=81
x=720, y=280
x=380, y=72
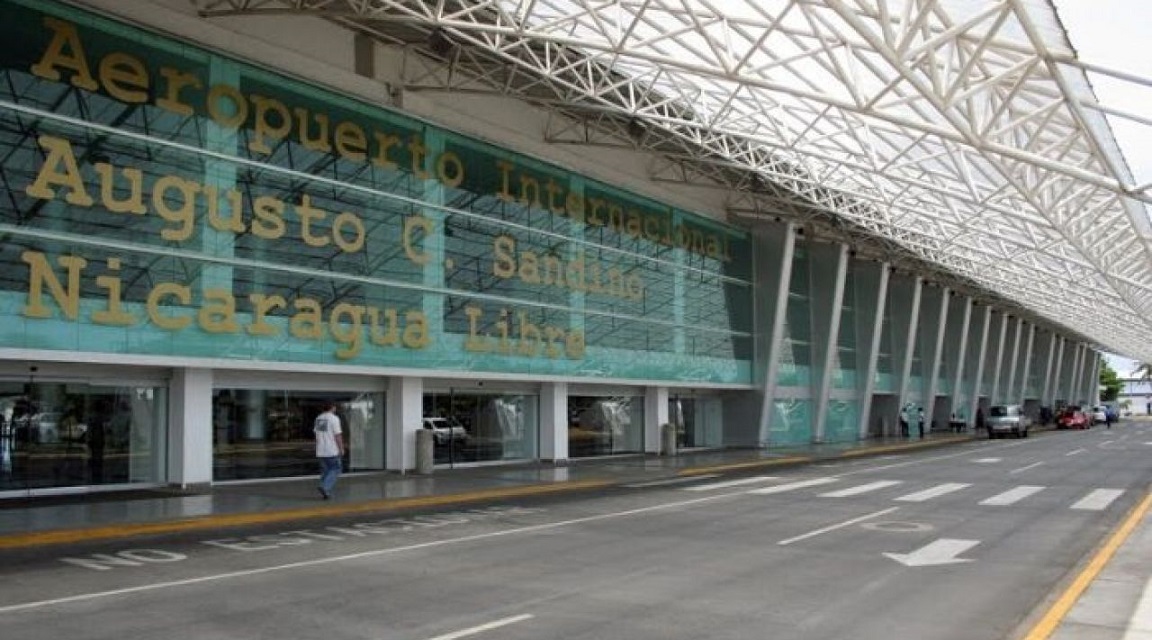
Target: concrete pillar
x=1010, y=396
x=998, y=363
x=873, y=336
x=776, y=337
x=655, y=415
x=554, y=421
x=829, y=326
x=190, y=428
x=958, y=396
x=1027, y=364
x=909, y=341
x=978, y=379
x=405, y=413
x=941, y=318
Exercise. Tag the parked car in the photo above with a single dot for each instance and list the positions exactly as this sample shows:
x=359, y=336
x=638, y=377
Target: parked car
x=1005, y=419
x=1072, y=418
x=1099, y=415
x=445, y=430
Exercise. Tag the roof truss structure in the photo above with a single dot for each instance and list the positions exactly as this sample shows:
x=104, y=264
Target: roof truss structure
x=962, y=135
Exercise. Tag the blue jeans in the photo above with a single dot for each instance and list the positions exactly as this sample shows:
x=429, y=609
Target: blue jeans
x=329, y=471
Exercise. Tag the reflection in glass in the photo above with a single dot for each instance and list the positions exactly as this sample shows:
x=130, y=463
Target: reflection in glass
x=67, y=434
x=599, y=426
x=261, y=433
x=477, y=427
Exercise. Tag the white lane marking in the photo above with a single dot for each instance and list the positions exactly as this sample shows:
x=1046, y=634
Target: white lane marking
x=864, y=488
x=1098, y=500
x=659, y=483
x=1022, y=469
x=801, y=484
x=731, y=483
x=846, y=523
x=1140, y=624
x=934, y=492
x=84, y=597
x=1011, y=496
x=495, y=624
x=986, y=460
x=1079, y=451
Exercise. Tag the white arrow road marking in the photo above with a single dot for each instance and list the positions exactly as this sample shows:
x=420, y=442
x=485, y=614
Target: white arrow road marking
x=942, y=551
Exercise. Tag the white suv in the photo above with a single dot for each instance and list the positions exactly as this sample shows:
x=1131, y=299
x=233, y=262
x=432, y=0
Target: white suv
x=445, y=430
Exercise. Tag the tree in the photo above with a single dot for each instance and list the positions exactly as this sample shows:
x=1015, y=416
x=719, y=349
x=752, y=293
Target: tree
x=1144, y=371
x=1110, y=384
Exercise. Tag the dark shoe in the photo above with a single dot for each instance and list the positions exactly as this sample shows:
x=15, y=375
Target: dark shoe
x=323, y=494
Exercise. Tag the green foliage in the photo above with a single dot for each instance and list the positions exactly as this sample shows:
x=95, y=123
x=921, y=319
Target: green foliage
x=1110, y=384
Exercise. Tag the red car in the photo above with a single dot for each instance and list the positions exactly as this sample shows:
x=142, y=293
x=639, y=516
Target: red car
x=1073, y=419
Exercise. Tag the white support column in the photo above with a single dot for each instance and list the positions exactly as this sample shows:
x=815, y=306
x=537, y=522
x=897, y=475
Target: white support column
x=869, y=386
x=554, y=421
x=655, y=415
x=190, y=428
x=832, y=345
x=1094, y=379
x=910, y=341
x=1010, y=396
x=404, y=410
x=1058, y=371
x=974, y=399
x=776, y=339
x=1074, y=373
x=937, y=352
x=958, y=377
x=998, y=363
x=1027, y=364
x=1046, y=396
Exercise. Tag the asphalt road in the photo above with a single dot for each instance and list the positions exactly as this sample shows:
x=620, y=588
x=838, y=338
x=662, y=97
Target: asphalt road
x=965, y=542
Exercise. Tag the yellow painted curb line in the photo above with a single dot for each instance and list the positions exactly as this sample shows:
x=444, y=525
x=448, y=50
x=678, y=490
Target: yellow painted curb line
x=697, y=471
x=1055, y=614
x=66, y=536
x=899, y=447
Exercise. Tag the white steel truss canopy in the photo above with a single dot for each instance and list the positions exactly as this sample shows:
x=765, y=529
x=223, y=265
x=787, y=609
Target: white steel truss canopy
x=963, y=134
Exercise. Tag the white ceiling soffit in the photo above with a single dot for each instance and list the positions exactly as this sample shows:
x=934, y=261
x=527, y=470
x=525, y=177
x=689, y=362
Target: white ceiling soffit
x=964, y=132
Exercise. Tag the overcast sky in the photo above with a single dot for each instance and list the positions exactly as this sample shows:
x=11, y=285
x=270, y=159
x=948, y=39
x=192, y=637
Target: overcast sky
x=1118, y=34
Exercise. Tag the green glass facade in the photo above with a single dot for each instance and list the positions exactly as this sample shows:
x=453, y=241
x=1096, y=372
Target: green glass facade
x=161, y=199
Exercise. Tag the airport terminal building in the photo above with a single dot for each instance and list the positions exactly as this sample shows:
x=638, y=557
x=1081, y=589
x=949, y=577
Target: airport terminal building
x=216, y=216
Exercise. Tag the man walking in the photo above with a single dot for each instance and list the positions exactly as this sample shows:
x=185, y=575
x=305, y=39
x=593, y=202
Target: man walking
x=329, y=448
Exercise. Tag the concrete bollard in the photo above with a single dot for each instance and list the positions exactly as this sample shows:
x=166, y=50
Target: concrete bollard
x=425, y=451
x=667, y=439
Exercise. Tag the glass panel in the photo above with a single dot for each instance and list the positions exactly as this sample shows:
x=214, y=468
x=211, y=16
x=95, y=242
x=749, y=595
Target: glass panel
x=63, y=434
x=792, y=422
x=226, y=211
x=478, y=427
x=599, y=426
x=261, y=433
x=698, y=421
x=840, y=425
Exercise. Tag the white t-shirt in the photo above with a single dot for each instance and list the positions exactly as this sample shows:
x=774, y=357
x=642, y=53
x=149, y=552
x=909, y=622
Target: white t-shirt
x=326, y=428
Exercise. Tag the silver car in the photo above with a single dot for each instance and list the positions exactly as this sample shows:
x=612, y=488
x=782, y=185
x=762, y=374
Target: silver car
x=1004, y=419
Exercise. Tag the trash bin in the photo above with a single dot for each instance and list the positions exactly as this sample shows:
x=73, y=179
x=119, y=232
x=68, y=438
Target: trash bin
x=667, y=439
x=425, y=451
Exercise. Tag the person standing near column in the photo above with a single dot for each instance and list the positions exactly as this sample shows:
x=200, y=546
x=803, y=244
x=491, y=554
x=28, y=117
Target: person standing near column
x=329, y=448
